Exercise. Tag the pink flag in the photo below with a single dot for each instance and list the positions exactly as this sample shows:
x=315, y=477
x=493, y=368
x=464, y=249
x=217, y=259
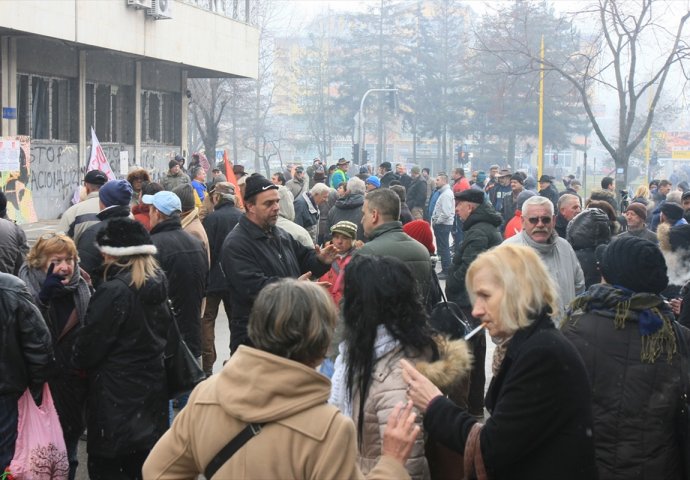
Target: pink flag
x=98, y=160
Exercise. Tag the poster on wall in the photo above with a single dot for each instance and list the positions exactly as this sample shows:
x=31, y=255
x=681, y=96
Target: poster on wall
x=15, y=182
x=9, y=155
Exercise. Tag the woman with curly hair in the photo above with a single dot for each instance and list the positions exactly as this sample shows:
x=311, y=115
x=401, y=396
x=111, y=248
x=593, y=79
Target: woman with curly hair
x=385, y=321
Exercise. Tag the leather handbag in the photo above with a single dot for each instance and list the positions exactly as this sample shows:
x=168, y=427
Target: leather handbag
x=447, y=317
x=182, y=370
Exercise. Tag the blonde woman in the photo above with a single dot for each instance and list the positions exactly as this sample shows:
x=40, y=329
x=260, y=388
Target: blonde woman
x=121, y=348
x=539, y=400
x=62, y=293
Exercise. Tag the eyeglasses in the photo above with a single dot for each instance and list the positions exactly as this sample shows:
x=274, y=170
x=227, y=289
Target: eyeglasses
x=535, y=220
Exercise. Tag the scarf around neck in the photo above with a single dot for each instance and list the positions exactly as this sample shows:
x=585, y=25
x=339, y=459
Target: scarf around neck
x=621, y=305
x=384, y=344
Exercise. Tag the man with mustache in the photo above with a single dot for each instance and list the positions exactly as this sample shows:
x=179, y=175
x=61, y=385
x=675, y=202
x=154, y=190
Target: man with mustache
x=538, y=232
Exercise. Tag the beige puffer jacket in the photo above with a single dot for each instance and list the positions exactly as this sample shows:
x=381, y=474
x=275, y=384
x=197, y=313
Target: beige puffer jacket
x=388, y=388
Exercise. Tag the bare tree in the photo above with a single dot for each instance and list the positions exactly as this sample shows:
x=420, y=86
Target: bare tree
x=209, y=97
x=631, y=53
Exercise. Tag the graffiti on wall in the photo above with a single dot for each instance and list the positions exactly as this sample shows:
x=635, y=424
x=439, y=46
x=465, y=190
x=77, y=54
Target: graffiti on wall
x=55, y=175
x=16, y=185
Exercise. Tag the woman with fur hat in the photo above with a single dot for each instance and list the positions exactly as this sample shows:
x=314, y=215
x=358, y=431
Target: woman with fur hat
x=137, y=177
x=385, y=322
x=121, y=348
x=623, y=330
x=539, y=400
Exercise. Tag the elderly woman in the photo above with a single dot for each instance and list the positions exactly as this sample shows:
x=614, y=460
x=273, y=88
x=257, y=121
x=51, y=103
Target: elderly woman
x=121, y=347
x=62, y=293
x=624, y=332
x=385, y=321
x=541, y=418
x=274, y=389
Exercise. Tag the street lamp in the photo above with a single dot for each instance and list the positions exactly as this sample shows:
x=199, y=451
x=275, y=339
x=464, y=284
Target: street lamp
x=360, y=117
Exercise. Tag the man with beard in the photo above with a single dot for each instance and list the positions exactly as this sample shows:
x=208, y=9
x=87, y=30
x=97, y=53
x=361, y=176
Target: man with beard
x=557, y=254
x=257, y=253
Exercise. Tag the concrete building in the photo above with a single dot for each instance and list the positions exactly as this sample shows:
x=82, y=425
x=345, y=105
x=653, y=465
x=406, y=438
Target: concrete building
x=119, y=66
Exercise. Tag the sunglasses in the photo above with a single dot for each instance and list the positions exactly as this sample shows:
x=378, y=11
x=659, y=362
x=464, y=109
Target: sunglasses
x=535, y=220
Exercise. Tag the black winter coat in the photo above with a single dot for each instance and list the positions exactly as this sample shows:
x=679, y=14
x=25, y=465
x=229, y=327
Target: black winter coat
x=185, y=263
x=589, y=229
x=90, y=258
x=348, y=208
x=634, y=403
x=416, y=194
x=551, y=193
x=252, y=258
x=387, y=178
x=217, y=225
x=121, y=346
x=26, y=350
x=303, y=215
x=480, y=234
x=541, y=417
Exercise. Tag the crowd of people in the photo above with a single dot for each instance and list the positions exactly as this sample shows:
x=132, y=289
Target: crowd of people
x=329, y=281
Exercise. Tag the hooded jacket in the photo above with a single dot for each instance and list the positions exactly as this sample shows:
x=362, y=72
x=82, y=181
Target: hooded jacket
x=589, y=229
x=13, y=247
x=388, y=239
x=347, y=208
x=561, y=262
x=388, y=388
x=302, y=437
x=480, y=234
x=121, y=347
x=26, y=356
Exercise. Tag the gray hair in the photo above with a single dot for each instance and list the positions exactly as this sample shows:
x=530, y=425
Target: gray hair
x=537, y=201
x=675, y=197
x=566, y=197
x=294, y=320
x=356, y=185
x=319, y=188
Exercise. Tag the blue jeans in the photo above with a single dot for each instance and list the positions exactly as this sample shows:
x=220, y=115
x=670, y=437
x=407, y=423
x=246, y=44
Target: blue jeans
x=458, y=234
x=8, y=428
x=442, y=234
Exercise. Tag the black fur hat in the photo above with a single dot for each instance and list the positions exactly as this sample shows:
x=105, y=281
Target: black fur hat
x=123, y=237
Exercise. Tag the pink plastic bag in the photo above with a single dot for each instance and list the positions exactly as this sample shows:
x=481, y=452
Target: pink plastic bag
x=40, y=452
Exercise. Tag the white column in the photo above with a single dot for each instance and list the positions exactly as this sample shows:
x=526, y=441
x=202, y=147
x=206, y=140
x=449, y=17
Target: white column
x=137, y=113
x=8, y=83
x=83, y=159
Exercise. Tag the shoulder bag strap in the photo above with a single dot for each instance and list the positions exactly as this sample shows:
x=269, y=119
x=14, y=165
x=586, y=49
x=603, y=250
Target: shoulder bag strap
x=249, y=432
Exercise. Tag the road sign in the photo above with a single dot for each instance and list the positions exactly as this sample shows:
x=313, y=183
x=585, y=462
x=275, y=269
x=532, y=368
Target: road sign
x=9, y=113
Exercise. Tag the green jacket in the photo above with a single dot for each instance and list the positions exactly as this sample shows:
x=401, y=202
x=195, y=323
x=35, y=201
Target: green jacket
x=389, y=239
x=481, y=234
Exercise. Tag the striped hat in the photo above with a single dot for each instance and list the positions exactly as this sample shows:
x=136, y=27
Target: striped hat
x=348, y=229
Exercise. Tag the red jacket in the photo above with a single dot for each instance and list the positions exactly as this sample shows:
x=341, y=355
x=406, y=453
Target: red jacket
x=514, y=225
x=461, y=184
x=336, y=276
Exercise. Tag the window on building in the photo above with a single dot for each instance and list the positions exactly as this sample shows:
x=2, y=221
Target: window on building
x=108, y=110
x=160, y=117
x=46, y=107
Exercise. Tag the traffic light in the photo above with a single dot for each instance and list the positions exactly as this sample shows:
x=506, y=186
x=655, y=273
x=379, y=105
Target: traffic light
x=365, y=157
x=392, y=100
x=654, y=160
x=355, y=153
x=555, y=158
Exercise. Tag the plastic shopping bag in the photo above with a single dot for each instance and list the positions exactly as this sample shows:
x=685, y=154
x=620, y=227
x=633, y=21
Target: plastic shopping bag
x=40, y=451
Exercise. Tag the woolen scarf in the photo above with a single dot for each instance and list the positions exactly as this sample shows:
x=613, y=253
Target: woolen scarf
x=77, y=286
x=621, y=305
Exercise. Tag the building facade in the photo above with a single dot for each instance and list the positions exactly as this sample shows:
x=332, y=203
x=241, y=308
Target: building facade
x=119, y=66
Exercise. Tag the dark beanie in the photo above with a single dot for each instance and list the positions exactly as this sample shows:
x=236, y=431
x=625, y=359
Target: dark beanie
x=518, y=178
x=115, y=192
x=186, y=194
x=634, y=263
x=256, y=184
x=672, y=211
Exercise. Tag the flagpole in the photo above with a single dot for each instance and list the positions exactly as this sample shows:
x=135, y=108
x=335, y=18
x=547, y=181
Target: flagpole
x=540, y=154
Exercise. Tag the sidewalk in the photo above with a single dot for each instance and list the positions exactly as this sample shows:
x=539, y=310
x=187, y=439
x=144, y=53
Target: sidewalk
x=35, y=230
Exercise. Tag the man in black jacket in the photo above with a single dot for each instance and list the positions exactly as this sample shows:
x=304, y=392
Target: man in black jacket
x=257, y=253
x=26, y=358
x=218, y=224
x=184, y=261
x=416, y=193
x=114, y=198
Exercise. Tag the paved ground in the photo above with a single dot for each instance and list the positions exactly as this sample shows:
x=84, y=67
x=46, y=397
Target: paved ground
x=35, y=230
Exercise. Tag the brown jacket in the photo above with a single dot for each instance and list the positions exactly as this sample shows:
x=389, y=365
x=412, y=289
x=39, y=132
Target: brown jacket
x=303, y=436
x=388, y=388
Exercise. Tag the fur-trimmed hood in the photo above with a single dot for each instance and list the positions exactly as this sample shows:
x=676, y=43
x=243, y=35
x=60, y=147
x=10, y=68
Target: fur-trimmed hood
x=454, y=363
x=674, y=243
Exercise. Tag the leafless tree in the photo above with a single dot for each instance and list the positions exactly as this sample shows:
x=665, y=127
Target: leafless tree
x=635, y=45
